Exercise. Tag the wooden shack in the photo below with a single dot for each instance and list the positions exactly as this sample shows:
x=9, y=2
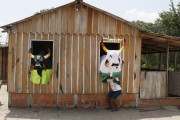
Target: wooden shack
x=3, y=63
x=73, y=33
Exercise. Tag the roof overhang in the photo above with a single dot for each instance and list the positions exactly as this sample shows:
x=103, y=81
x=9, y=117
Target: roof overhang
x=157, y=43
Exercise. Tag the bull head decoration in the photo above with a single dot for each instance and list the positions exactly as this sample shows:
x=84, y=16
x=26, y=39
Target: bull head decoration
x=39, y=58
x=111, y=63
x=105, y=49
x=114, y=55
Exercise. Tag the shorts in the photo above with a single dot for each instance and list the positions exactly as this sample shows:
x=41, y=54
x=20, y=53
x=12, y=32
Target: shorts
x=113, y=94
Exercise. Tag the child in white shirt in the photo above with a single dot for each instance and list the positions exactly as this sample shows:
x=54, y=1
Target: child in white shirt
x=113, y=93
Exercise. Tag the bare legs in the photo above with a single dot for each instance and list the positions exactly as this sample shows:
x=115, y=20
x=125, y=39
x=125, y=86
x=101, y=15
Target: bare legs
x=112, y=104
x=113, y=101
x=109, y=103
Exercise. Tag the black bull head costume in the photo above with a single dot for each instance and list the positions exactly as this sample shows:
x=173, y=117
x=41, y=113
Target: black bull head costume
x=39, y=60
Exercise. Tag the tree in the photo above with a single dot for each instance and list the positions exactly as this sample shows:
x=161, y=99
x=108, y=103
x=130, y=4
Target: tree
x=43, y=10
x=168, y=22
x=145, y=25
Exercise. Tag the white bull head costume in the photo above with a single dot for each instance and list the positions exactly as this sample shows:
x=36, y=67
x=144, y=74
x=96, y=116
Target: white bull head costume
x=110, y=65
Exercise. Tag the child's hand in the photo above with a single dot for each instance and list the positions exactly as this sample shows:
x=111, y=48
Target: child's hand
x=109, y=80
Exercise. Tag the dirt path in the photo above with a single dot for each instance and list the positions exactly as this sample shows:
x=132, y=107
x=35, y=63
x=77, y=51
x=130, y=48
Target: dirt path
x=81, y=114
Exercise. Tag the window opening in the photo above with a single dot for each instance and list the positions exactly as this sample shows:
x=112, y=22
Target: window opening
x=109, y=46
x=42, y=47
x=41, y=53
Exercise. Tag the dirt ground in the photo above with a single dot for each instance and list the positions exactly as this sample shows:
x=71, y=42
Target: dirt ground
x=165, y=113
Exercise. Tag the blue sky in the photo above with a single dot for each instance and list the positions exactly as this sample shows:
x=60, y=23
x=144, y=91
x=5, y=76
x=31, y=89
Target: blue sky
x=145, y=10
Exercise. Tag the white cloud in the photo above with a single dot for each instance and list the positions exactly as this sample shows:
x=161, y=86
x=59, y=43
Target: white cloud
x=3, y=36
x=135, y=14
x=1, y=23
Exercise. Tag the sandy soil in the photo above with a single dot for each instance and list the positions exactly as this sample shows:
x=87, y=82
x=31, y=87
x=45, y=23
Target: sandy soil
x=166, y=113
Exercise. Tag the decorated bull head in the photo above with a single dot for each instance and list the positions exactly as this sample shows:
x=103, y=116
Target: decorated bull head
x=39, y=58
x=111, y=63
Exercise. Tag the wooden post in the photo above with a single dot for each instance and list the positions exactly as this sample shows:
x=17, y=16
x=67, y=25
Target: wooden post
x=160, y=61
x=1, y=63
x=167, y=66
x=175, y=61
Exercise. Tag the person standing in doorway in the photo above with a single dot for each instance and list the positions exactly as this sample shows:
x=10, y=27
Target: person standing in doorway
x=113, y=93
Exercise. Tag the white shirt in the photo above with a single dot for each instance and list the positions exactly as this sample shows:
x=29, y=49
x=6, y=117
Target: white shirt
x=114, y=86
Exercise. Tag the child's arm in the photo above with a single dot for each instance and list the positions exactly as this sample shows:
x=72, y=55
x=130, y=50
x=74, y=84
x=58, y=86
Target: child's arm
x=116, y=81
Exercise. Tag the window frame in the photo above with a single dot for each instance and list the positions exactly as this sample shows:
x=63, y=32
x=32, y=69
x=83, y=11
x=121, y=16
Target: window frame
x=40, y=40
x=118, y=42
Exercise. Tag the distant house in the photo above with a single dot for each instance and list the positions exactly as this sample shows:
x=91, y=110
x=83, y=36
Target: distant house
x=73, y=32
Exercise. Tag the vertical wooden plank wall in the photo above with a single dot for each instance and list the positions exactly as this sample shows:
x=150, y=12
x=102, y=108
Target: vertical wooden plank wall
x=62, y=62
x=18, y=62
x=25, y=67
x=56, y=63
x=99, y=82
x=11, y=57
x=79, y=68
x=87, y=65
x=75, y=63
x=80, y=64
x=31, y=86
x=76, y=38
x=68, y=63
x=151, y=89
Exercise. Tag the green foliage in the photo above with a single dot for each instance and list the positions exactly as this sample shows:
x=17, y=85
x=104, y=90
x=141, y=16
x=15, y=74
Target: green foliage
x=168, y=22
x=43, y=10
x=147, y=26
x=150, y=61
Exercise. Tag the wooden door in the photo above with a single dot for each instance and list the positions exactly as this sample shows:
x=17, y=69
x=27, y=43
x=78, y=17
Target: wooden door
x=174, y=84
x=152, y=85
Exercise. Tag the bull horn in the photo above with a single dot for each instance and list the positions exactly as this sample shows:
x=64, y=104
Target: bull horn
x=47, y=55
x=122, y=48
x=30, y=53
x=102, y=44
